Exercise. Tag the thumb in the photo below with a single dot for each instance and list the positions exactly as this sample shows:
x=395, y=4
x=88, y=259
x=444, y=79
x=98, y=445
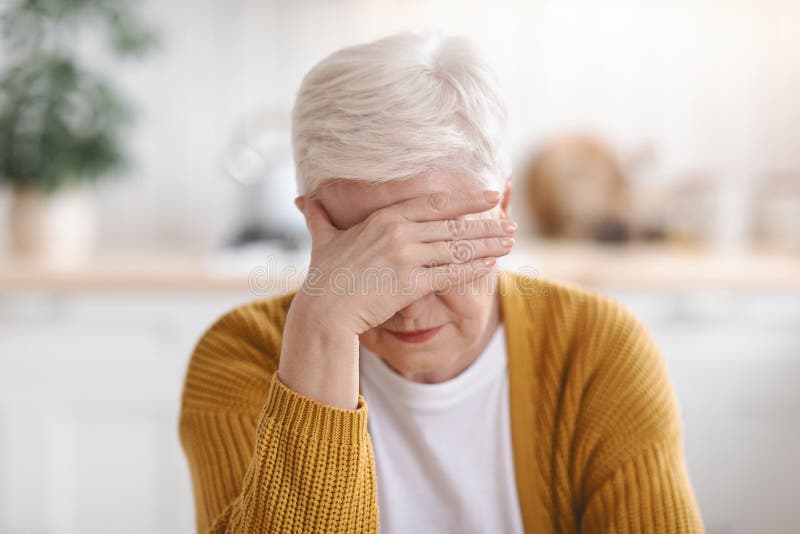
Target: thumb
x=317, y=220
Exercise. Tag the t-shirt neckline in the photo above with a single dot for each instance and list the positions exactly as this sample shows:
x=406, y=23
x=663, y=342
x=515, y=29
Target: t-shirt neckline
x=415, y=395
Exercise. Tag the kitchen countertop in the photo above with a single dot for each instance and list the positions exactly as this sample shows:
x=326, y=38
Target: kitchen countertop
x=263, y=269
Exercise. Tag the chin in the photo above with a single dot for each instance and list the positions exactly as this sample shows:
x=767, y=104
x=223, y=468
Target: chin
x=411, y=364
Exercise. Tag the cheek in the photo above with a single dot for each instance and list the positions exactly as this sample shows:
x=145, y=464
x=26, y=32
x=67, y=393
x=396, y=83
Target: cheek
x=465, y=308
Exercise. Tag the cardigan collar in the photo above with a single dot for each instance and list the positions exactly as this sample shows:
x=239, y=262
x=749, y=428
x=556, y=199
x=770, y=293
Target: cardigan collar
x=522, y=320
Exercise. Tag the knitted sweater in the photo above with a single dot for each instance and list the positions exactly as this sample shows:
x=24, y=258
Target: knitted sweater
x=596, y=431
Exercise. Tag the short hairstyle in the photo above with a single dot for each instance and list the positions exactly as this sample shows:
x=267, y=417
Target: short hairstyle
x=396, y=107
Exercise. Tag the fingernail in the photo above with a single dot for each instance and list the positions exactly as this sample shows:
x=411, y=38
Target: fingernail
x=509, y=226
x=491, y=196
x=507, y=242
x=299, y=202
x=489, y=261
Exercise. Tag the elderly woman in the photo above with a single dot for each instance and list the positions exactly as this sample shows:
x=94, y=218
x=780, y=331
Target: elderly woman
x=497, y=402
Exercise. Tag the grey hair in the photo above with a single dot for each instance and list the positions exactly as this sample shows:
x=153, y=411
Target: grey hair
x=396, y=107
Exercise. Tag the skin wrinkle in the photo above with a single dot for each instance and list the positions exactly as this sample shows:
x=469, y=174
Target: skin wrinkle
x=468, y=314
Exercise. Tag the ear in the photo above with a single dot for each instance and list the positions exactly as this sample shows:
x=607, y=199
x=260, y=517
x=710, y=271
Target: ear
x=317, y=220
x=505, y=201
x=299, y=203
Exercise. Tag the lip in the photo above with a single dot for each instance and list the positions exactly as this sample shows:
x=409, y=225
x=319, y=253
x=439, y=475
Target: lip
x=416, y=336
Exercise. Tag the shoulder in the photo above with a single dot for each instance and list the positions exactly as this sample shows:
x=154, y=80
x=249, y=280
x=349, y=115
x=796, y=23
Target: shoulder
x=567, y=311
x=234, y=358
x=599, y=352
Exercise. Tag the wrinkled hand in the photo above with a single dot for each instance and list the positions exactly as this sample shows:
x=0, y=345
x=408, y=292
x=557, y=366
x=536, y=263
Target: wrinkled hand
x=362, y=276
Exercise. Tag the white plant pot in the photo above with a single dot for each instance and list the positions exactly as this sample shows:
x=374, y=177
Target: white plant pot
x=57, y=228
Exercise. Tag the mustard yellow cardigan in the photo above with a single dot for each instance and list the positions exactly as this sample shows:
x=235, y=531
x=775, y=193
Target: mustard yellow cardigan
x=596, y=430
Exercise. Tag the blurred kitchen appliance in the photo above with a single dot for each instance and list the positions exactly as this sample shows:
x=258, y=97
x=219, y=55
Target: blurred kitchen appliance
x=684, y=211
x=576, y=189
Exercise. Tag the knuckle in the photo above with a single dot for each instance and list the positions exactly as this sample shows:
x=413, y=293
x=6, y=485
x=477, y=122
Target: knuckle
x=456, y=228
x=393, y=231
x=482, y=226
x=400, y=254
x=437, y=201
x=461, y=251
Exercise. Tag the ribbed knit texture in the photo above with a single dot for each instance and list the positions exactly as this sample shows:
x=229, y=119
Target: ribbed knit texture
x=595, y=427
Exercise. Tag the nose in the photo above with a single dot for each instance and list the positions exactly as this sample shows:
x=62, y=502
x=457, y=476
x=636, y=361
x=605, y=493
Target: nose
x=417, y=308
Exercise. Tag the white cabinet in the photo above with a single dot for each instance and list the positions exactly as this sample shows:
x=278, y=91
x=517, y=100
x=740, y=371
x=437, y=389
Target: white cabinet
x=89, y=398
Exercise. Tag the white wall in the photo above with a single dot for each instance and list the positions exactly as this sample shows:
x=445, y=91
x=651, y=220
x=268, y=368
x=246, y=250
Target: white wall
x=711, y=86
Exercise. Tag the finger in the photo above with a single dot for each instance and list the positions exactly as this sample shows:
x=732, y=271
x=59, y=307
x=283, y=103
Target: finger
x=463, y=251
x=449, y=229
x=317, y=220
x=443, y=205
x=445, y=277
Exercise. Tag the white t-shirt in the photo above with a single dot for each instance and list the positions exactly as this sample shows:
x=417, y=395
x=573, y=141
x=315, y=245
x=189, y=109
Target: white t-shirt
x=443, y=453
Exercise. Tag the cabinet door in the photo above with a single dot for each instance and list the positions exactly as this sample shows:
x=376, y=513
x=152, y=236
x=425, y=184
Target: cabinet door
x=89, y=397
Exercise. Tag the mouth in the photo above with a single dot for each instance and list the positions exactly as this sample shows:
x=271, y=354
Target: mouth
x=415, y=336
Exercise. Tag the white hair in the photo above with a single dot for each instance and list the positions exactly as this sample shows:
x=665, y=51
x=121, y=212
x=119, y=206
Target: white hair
x=393, y=108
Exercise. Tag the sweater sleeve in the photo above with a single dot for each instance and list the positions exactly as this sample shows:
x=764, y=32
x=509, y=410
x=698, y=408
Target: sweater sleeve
x=262, y=457
x=634, y=477
x=648, y=493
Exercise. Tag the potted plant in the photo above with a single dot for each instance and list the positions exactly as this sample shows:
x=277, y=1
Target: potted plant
x=61, y=123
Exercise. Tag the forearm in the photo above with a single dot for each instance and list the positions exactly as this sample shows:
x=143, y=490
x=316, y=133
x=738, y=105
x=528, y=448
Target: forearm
x=319, y=357
x=313, y=470
x=310, y=468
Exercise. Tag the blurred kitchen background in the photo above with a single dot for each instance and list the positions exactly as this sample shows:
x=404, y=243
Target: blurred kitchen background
x=146, y=187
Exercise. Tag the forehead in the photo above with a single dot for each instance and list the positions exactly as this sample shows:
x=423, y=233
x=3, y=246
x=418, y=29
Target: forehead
x=349, y=202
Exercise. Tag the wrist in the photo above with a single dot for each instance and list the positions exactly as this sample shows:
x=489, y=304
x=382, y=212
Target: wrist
x=319, y=314
x=319, y=357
